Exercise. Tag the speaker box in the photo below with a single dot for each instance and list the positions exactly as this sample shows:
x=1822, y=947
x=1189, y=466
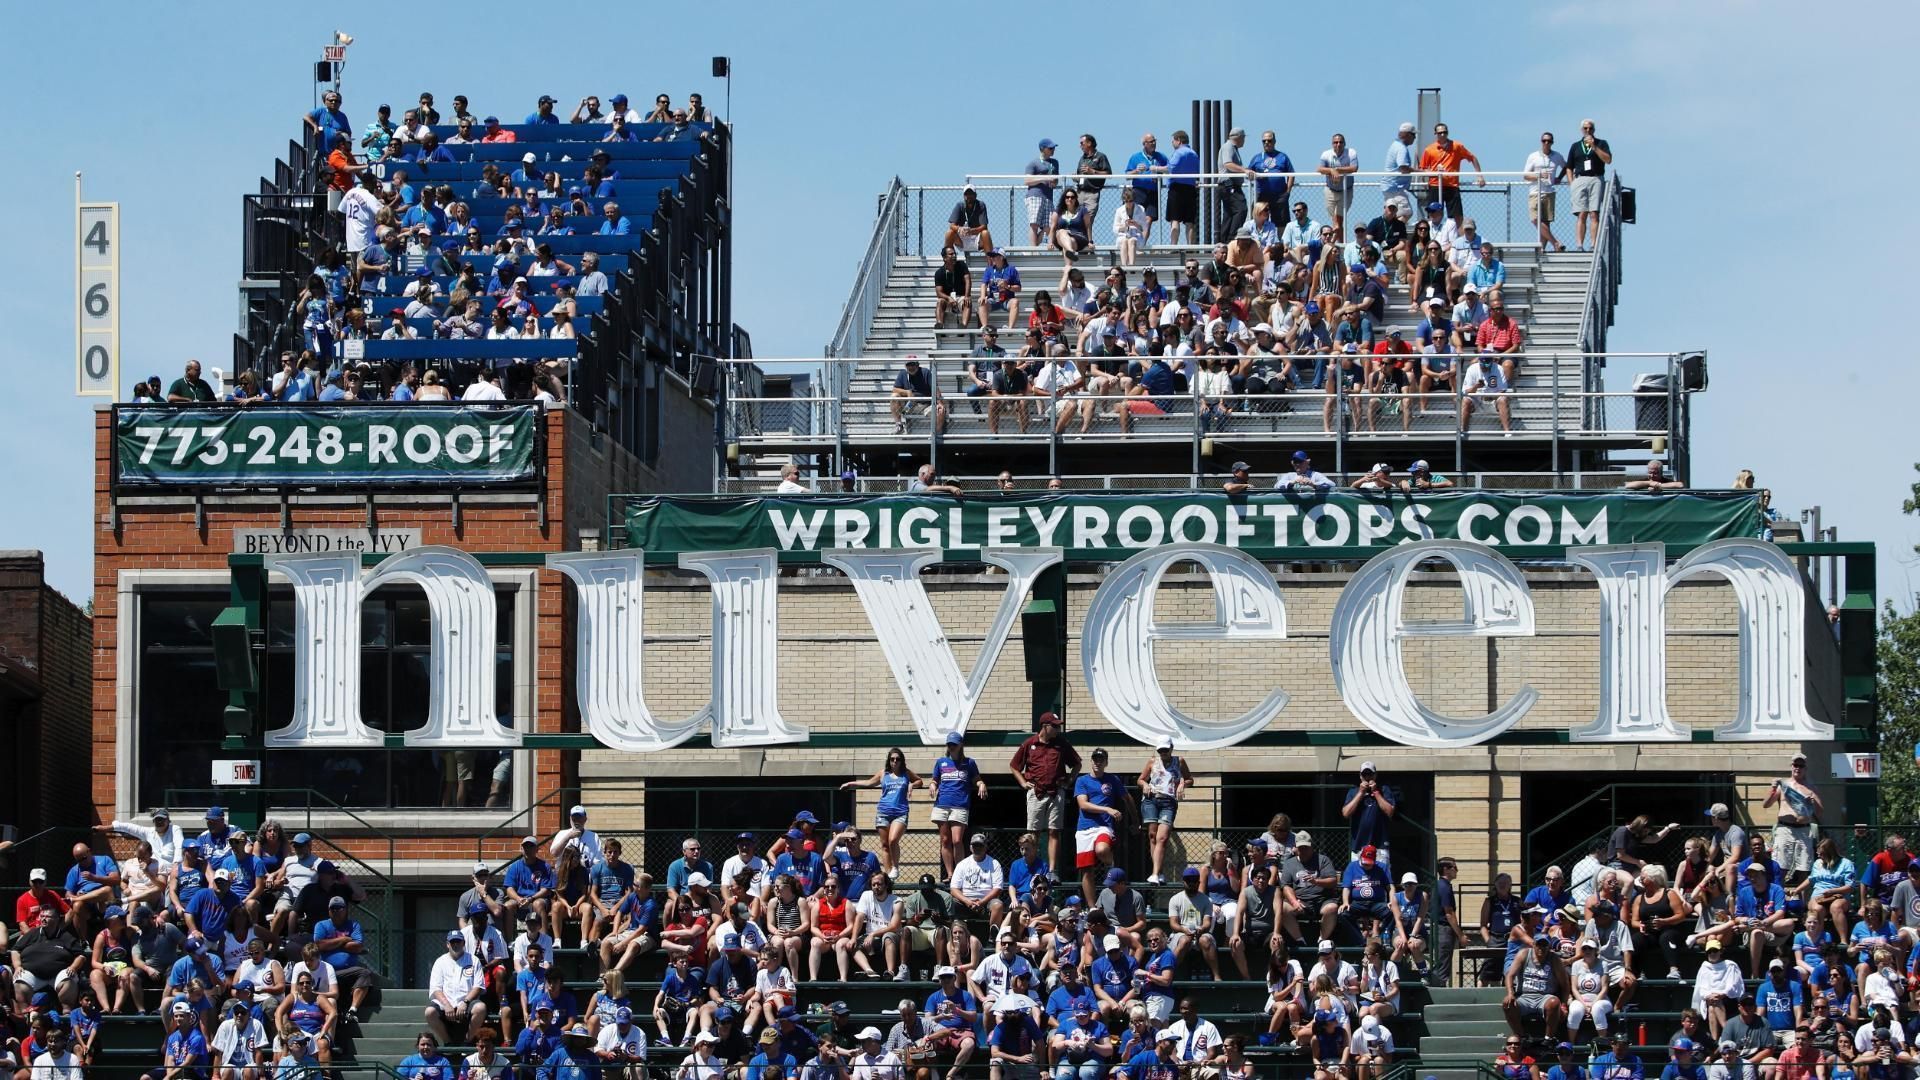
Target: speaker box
x=323, y=71
x=1040, y=633
x=1693, y=371
x=1628, y=205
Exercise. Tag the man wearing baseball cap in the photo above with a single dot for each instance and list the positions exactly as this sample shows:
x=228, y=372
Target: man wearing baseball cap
x=1242, y=481
x=1043, y=175
x=342, y=943
x=576, y=832
x=1369, y=809
x=529, y=881
x=1102, y=799
x=979, y=891
x=185, y=1051
x=456, y=991
x=1045, y=764
x=163, y=835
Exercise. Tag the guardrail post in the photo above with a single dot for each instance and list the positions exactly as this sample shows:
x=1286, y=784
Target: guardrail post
x=1558, y=476
x=933, y=414
x=1339, y=419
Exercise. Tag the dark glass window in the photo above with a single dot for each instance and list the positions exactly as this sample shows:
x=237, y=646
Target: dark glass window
x=180, y=704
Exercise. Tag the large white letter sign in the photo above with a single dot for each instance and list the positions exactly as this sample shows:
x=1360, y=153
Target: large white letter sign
x=1369, y=627
x=326, y=653
x=609, y=676
x=1633, y=643
x=1773, y=657
x=746, y=647
x=1116, y=642
x=940, y=699
x=462, y=633
x=327, y=596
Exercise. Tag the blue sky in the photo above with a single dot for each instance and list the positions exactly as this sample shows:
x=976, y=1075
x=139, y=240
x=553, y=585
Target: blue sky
x=1767, y=140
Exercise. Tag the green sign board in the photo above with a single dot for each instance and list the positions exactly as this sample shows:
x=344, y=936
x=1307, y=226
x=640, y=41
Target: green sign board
x=1278, y=525
x=337, y=445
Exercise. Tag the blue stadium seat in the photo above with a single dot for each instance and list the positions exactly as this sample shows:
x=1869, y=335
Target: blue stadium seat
x=546, y=133
x=381, y=303
x=641, y=151
x=609, y=264
x=545, y=348
x=470, y=171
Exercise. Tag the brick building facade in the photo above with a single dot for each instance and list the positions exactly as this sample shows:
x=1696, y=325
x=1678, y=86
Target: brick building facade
x=45, y=696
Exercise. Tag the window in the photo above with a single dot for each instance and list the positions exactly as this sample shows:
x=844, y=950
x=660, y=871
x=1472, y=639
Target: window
x=179, y=705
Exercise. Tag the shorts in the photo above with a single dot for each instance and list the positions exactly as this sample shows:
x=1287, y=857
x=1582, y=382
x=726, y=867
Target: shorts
x=1086, y=840
x=1159, y=1008
x=1586, y=194
x=1158, y=809
x=283, y=903
x=1338, y=202
x=881, y=821
x=1038, y=208
x=503, y=768
x=1183, y=203
x=1616, y=973
x=919, y=937
x=1091, y=201
x=949, y=815
x=1148, y=200
x=1046, y=812
x=463, y=763
x=35, y=982
x=1532, y=1004
x=624, y=937
x=1540, y=207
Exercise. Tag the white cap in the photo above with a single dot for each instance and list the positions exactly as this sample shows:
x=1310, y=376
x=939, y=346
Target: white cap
x=1302, y=839
x=1326, y=945
x=528, y=157
x=1777, y=964
x=37, y=874
x=697, y=878
x=577, y=811
x=1409, y=878
x=1367, y=766
x=943, y=971
x=1406, y=127
x=706, y=1037
x=1109, y=943
x=1470, y=287
x=1369, y=1022
x=1165, y=1035
x=869, y=1032
x=222, y=873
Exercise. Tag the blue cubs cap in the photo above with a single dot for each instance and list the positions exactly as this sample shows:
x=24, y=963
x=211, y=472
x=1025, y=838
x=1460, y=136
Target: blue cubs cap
x=624, y=1015
x=806, y=816
x=731, y=941
x=796, y=835
x=619, y=99
x=115, y=911
x=1301, y=455
x=215, y=813
x=1116, y=875
x=1048, y=144
x=302, y=838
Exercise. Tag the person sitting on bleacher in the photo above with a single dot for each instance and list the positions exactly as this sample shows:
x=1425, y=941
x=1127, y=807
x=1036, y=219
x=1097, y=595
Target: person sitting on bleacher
x=615, y=223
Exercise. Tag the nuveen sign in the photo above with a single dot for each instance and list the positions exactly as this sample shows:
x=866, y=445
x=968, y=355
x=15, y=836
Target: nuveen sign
x=1369, y=630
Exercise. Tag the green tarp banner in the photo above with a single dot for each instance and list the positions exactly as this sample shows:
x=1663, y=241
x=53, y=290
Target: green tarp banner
x=325, y=445
x=1114, y=526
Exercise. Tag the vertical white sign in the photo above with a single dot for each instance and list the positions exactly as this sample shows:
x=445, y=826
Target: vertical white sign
x=97, y=299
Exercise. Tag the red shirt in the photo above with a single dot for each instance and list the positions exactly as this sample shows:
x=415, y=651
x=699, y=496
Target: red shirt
x=1497, y=338
x=342, y=179
x=23, y=913
x=1045, y=764
x=1798, y=1064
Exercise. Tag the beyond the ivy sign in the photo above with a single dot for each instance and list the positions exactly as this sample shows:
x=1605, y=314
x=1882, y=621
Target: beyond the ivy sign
x=1370, y=628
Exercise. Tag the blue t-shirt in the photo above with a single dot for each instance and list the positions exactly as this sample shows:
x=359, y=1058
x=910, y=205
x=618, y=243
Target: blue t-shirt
x=1114, y=979
x=187, y=1048
x=1016, y=1033
x=1094, y=1029
x=210, y=908
x=1062, y=1002
x=1043, y=167
x=563, y=1065
x=535, y=117
x=1752, y=907
x=1183, y=165
x=680, y=869
x=1544, y=897
x=1369, y=883
x=339, y=958
x=1146, y=185
x=98, y=864
x=953, y=781
x=687, y=989
x=731, y=979
x=1271, y=189
x=536, y=1043
x=894, y=788
x=1107, y=790
x=1562, y=1072
x=642, y=911
x=610, y=882
x=1158, y=963
x=1778, y=1002
x=807, y=870
x=853, y=871
x=761, y=1062
x=1021, y=874
x=1147, y=1065
x=419, y=1067
x=1369, y=824
x=527, y=880
x=999, y=281
x=533, y=984
x=1692, y=1070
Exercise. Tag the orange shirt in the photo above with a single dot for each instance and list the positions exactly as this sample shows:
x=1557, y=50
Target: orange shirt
x=341, y=180
x=1434, y=159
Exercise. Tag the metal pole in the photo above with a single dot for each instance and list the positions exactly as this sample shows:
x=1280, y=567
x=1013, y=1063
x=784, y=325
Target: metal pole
x=933, y=414
x=1833, y=567
x=1339, y=421
x=1199, y=428
x=1459, y=425
x=1559, y=478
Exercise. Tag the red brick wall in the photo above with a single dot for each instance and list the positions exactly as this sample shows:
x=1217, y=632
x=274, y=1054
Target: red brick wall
x=44, y=640
x=166, y=537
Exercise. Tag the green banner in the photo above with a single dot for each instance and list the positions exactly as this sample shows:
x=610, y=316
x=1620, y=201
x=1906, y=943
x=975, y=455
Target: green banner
x=1113, y=526
x=336, y=445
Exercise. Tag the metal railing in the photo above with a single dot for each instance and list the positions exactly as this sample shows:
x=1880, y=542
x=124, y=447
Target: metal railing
x=1499, y=205
x=984, y=484
x=869, y=286
x=1354, y=420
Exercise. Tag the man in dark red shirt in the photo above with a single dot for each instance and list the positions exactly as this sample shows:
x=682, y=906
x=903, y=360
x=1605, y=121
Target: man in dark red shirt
x=1045, y=765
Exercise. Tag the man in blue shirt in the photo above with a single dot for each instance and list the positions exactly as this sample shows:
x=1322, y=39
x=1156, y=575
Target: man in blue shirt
x=1761, y=907
x=770, y=1057
x=93, y=882
x=808, y=871
x=999, y=288
x=1183, y=190
x=1618, y=1063
x=528, y=882
x=688, y=864
x=1113, y=981
x=853, y=865
x=1553, y=895
x=1782, y=997
x=1566, y=1068
x=429, y=150
x=1158, y=1063
x=1369, y=806
x=795, y=1041
x=207, y=911
x=1270, y=187
x=1014, y=1044
x=1147, y=165
x=1072, y=995
x=185, y=1052
x=342, y=943
x=616, y=223
x=214, y=841
x=327, y=120
x=1041, y=174
x=544, y=113
x=1029, y=865
x=1365, y=889
x=1101, y=798
x=541, y=1036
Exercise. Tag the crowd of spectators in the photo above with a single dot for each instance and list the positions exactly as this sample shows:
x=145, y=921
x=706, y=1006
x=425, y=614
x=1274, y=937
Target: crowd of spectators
x=1284, y=307
x=1799, y=946
x=247, y=947
x=416, y=263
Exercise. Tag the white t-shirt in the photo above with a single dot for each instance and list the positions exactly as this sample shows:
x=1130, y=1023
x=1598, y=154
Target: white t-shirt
x=544, y=940
x=1548, y=168
x=884, y=1065
x=878, y=913
x=975, y=878
x=482, y=390
x=258, y=973
x=633, y=1042
x=1332, y=160
x=1484, y=380
x=322, y=973
x=453, y=978
x=1197, y=1043
x=732, y=867
x=64, y=1067
x=1377, y=1041
x=788, y=487
x=360, y=208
